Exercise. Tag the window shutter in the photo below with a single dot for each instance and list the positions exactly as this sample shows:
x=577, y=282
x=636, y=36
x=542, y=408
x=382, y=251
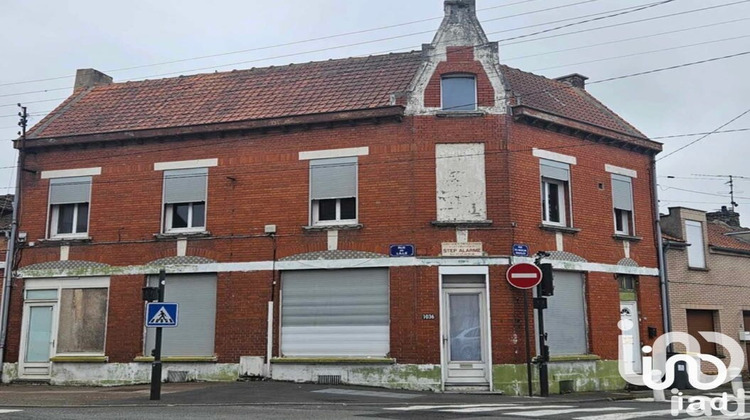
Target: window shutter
x=185, y=185
x=70, y=190
x=565, y=317
x=194, y=334
x=622, y=192
x=335, y=313
x=555, y=170
x=333, y=178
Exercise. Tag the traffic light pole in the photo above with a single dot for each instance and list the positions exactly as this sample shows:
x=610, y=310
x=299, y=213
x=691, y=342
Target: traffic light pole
x=156, y=364
x=540, y=303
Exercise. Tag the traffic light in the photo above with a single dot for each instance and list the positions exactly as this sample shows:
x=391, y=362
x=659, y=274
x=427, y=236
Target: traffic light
x=548, y=287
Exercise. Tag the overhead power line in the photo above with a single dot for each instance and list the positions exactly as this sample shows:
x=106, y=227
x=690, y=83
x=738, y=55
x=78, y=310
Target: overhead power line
x=703, y=137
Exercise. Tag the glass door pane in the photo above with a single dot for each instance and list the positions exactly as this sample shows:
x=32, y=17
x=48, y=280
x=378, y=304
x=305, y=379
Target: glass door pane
x=39, y=334
x=465, y=328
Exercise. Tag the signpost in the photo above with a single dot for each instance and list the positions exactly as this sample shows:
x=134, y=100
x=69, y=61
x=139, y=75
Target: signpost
x=158, y=315
x=525, y=276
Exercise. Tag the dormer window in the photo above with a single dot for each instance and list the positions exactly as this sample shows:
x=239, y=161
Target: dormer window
x=459, y=92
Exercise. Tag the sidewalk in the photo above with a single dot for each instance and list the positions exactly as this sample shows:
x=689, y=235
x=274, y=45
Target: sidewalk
x=264, y=393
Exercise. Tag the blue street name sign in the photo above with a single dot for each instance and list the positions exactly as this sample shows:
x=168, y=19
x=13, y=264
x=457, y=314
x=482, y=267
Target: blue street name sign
x=161, y=314
x=520, y=250
x=402, y=250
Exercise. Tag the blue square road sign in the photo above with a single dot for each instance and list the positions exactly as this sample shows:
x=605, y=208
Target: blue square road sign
x=161, y=314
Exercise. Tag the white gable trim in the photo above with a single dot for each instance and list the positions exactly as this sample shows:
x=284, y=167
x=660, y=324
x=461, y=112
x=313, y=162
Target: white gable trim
x=558, y=157
x=67, y=173
x=621, y=171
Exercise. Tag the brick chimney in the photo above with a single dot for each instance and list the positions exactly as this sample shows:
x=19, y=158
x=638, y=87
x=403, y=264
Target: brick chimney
x=730, y=217
x=575, y=80
x=88, y=78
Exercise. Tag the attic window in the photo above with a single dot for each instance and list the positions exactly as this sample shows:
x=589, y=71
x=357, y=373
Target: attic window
x=459, y=92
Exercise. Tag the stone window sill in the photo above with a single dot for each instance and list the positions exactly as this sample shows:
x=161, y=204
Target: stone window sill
x=459, y=114
x=461, y=223
x=574, y=358
x=321, y=228
x=79, y=359
x=704, y=269
x=180, y=235
x=556, y=228
x=629, y=238
x=334, y=360
x=63, y=240
x=178, y=359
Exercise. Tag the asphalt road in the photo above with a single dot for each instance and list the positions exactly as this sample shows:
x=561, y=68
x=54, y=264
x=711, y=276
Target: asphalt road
x=531, y=408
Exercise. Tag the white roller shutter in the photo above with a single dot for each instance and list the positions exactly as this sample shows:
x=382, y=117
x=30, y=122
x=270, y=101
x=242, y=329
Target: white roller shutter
x=565, y=316
x=335, y=313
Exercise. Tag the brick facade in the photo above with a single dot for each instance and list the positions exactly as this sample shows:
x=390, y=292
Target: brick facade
x=260, y=180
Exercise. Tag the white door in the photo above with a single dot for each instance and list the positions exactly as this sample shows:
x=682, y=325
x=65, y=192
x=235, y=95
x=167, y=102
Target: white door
x=465, y=337
x=37, y=341
x=631, y=339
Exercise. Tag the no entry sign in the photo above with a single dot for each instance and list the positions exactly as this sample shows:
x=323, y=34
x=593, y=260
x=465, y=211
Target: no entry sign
x=524, y=275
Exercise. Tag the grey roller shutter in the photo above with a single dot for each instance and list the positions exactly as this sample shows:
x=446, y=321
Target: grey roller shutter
x=335, y=313
x=333, y=178
x=555, y=170
x=194, y=335
x=565, y=316
x=185, y=185
x=622, y=192
x=70, y=190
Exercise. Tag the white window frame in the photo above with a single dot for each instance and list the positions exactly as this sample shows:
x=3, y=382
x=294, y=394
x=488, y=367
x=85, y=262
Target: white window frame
x=459, y=76
x=168, y=210
x=55, y=217
x=315, y=206
x=59, y=285
x=562, y=188
x=695, y=223
x=626, y=219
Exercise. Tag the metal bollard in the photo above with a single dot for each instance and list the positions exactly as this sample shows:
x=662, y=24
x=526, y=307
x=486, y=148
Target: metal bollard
x=658, y=393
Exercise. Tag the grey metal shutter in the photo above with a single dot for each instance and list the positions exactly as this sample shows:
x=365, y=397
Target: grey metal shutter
x=565, y=316
x=185, y=185
x=622, y=192
x=194, y=334
x=333, y=178
x=70, y=190
x=555, y=170
x=335, y=313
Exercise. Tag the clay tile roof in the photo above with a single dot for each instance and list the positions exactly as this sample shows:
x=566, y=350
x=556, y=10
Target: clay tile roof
x=299, y=89
x=559, y=98
x=717, y=237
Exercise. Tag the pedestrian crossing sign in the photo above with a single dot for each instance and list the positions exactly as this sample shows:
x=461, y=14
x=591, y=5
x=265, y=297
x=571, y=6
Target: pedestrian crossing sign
x=161, y=314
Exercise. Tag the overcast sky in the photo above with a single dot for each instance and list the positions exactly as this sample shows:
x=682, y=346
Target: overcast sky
x=51, y=39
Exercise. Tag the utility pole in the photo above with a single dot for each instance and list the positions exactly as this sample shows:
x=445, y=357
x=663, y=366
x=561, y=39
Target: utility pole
x=10, y=256
x=545, y=288
x=156, y=365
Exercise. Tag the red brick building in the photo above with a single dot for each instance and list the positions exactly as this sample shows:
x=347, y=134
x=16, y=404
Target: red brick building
x=272, y=197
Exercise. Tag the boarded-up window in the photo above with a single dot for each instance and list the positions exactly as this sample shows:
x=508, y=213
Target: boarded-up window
x=83, y=320
x=461, y=192
x=335, y=313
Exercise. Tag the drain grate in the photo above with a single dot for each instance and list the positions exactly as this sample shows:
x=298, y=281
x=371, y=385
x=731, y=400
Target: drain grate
x=329, y=379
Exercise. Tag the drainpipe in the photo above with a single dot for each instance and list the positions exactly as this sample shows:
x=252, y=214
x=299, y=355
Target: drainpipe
x=663, y=280
x=11, y=251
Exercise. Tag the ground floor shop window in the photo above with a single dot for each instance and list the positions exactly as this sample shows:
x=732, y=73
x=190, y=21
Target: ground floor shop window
x=195, y=295
x=340, y=313
x=565, y=316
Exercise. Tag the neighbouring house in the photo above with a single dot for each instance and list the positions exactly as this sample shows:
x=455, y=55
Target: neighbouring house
x=6, y=216
x=349, y=220
x=708, y=267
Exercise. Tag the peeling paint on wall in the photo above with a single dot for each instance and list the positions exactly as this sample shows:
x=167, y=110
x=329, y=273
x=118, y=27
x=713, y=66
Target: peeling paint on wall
x=461, y=191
